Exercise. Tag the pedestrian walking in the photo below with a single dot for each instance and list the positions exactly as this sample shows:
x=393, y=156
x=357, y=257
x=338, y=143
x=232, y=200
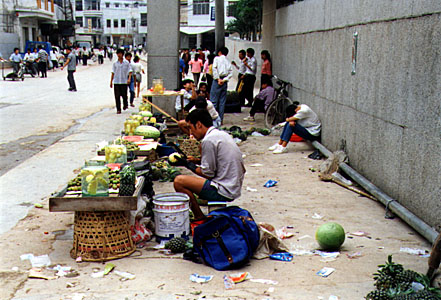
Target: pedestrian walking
x=186, y=57
x=196, y=68
x=137, y=71
x=101, y=56
x=110, y=53
x=71, y=64
x=35, y=64
x=131, y=86
x=42, y=61
x=53, y=56
x=249, y=77
x=120, y=78
x=208, y=70
x=77, y=53
x=85, y=56
x=222, y=73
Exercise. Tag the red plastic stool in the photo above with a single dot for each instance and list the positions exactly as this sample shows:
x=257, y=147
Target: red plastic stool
x=295, y=138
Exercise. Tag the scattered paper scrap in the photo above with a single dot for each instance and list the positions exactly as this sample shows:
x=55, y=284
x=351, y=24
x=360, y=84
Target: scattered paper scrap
x=317, y=216
x=256, y=165
x=125, y=275
x=37, y=261
x=332, y=297
x=200, y=278
x=361, y=234
x=354, y=255
x=284, y=256
x=41, y=273
x=250, y=189
x=228, y=283
x=270, y=183
x=99, y=274
x=283, y=233
x=300, y=252
x=325, y=272
x=264, y=281
x=327, y=254
x=414, y=251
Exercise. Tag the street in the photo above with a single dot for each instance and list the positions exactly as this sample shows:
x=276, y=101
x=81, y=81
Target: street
x=53, y=131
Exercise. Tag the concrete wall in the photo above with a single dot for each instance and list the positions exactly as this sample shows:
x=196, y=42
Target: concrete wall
x=389, y=112
x=8, y=41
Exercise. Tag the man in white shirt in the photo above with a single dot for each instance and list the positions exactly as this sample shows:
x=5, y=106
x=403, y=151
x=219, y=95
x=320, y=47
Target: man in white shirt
x=241, y=68
x=303, y=121
x=249, y=77
x=222, y=73
x=15, y=58
x=120, y=79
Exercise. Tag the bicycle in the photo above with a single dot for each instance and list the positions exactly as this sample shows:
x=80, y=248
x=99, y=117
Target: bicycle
x=276, y=112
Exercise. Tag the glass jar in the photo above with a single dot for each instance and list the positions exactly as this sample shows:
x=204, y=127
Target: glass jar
x=158, y=86
x=115, y=154
x=95, y=181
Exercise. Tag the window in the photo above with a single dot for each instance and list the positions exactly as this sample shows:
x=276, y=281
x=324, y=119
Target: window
x=135, y=4
x=201, y=7
x=107, y=4
x=126, y=5
x=115, y=23
x=123, y=23
x=79, y=5
x=116, y=4
x=144, y=19
x=133, y=22
x=108, y=23
x=231, y=9
x=79, y=21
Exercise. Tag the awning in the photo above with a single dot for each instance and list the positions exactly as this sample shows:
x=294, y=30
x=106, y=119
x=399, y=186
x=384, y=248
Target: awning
x=195, y=29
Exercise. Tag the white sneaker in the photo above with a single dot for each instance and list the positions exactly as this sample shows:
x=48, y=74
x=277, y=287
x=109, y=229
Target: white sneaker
x=280, y=150
x=273, y=147
x=249, y=118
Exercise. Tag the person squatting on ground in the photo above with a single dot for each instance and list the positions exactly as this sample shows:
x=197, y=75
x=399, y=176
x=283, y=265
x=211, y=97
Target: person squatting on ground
x=15, y=58
x=200, y=103
x=222, y=73
x=120, y=79
x=221, y=172
x=42, y=61
x=71, y=63
x=303, y=121
x=263, y=100
x=128, y=57
x=137, y=73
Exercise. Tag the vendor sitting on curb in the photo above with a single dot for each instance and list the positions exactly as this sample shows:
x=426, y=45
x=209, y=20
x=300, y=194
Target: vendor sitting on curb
x=304, y=123
x=189, y=90
x=222, y=170
x=265, y=97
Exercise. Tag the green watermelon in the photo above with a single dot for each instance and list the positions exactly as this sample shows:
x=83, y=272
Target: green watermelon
x=148, y=132
x=330, y=236
x=146, y=114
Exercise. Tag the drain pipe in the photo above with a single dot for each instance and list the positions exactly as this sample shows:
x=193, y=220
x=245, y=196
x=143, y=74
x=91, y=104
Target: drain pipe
x=412, y=220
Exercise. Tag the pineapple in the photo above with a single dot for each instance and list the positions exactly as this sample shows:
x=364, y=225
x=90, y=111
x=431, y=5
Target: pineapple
x=390, y=268
x=127, y=181
x=377, y=295
x=385, y=282
x=176, y=245
x=407, y=276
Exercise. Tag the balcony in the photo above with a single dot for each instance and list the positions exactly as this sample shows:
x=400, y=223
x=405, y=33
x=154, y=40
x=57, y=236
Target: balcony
x=92, y=13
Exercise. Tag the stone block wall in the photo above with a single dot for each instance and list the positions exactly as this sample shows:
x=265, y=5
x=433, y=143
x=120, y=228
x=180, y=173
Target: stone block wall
x=389, y=113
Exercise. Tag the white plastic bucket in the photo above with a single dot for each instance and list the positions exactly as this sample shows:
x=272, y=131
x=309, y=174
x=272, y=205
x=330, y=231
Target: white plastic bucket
x=171, y=215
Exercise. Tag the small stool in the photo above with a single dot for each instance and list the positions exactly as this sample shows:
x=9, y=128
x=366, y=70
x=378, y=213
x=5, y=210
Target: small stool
x=213, y=205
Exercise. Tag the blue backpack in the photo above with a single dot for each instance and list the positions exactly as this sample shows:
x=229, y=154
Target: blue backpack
x=228, y=239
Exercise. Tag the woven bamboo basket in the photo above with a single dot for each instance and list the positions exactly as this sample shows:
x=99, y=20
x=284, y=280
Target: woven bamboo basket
x=101, y=236
x=190, y=147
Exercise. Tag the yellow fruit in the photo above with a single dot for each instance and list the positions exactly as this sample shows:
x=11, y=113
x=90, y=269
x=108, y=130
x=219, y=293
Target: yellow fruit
x=173, y=158
x=92, y=187
x=89, y=178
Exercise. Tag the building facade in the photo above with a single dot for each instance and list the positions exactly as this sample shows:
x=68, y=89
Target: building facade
x=198, y=22
x=111, y=22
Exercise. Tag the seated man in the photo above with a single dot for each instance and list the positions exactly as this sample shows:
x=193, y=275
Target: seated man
x=304, y=122
x=221, y=173
x=261, y=102
x=203, y=90
x=200, y=103
x=189, y=90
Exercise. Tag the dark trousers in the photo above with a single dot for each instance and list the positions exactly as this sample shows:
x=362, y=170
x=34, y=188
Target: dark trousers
x=218, y=95
x=258, y=106
x=16, y=67
x=100, y=59
x=209, y=81
x=84, y=60
x=132, y=90
x=78, y=59
x=71, y=80
x=120, y=90
x=248, y=88
x=238, y=81
x=42, y=66
x=196, y=77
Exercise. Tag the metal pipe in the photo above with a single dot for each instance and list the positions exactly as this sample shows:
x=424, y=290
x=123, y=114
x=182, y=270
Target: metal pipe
x=407, y=216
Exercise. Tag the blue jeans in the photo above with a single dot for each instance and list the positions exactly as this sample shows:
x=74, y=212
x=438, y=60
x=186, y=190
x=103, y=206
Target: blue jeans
x=132, y=90
x=218, y=95
x=297, y=129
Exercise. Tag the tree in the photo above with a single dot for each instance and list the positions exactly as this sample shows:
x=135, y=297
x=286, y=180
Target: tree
x=248, y=19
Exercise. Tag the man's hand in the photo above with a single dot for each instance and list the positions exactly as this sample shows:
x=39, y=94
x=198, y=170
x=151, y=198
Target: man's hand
x=220, y=81
x=62, y=68
x=128, y=82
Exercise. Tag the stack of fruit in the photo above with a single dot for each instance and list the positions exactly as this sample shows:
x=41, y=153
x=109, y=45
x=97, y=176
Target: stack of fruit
x=393, y=282
x=115, y=154
x=127, y=181
x=74, y=185
x=114, y=179
x=176, y=245
x=95, y=181
x=162, y=171
x=237, y=132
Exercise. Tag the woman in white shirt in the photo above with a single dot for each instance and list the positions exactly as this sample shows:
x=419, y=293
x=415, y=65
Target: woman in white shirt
x=137, y=70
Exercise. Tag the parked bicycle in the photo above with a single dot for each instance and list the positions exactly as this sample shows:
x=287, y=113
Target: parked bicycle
x=276, y=112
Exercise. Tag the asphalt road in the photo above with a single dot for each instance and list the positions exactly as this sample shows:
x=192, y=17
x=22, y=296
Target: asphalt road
x=47, y=131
